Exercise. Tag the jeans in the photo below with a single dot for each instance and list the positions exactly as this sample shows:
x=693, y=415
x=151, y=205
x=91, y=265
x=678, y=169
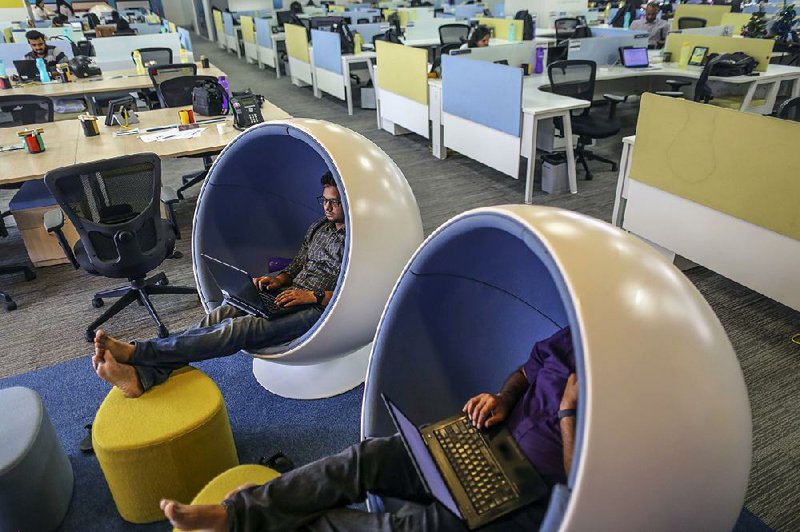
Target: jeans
x=225, y=331
x=315, y=497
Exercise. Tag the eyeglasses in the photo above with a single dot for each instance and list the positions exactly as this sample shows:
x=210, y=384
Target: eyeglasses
x=333, y=202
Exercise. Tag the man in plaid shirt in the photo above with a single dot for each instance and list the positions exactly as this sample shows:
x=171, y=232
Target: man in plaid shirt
x=308, y=281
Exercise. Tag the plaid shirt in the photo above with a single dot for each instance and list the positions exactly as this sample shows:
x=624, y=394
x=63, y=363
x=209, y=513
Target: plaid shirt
x=52, y=57
x=316, y=266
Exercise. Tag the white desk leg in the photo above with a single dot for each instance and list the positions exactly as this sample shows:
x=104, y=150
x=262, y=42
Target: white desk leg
x=748, y=97
x=623, y=174
x=437, y=129
x=795, y=87
x=571, y=171
x=529, y=151
x=348, y=87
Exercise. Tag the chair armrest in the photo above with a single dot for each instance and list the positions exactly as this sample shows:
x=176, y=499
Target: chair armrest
x=169, y=198
x=54, y=223
x=614, y=100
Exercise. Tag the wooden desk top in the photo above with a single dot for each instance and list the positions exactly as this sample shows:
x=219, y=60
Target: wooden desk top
x=66, y=145
x=110, y=81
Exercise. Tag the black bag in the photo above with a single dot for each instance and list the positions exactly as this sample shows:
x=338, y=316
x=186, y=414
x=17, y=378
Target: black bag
x=527, y=24
x=209, y=98
x=346, y=37
x=735, y=64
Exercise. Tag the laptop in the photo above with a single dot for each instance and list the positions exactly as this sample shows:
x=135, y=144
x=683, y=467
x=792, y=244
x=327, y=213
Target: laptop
x=26, y=69
x=477, y=475
x=634, y=57
x=239, y=291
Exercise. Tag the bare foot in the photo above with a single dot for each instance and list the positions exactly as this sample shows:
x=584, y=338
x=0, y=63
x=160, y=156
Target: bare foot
x=211, y=517
x=122, y=376
x=121, y=351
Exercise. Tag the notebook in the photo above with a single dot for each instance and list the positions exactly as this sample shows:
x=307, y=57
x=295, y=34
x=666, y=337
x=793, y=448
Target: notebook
x=239, y=291
x=478, y=475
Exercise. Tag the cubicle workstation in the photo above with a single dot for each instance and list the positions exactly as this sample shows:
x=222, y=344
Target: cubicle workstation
x=300, y=70
x=219, y=29
x=231, y=30
x=711, y=14
x=332, y=69
x=692, y=181
x=267, y=52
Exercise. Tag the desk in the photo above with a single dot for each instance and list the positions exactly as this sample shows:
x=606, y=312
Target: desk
x=331, y=83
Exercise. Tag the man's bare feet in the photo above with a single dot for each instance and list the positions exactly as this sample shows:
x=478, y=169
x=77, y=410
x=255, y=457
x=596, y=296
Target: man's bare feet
x=209, y=517
x=122, y=376
x=121, y=351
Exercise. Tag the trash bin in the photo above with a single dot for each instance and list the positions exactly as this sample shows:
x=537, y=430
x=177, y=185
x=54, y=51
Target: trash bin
x=554, y=173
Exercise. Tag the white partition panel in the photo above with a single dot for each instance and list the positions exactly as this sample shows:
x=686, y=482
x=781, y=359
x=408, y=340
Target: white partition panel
x=114, y=53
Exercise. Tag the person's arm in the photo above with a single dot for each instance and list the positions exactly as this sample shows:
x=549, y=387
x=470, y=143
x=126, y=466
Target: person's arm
x=569, y=401
x=486, y=409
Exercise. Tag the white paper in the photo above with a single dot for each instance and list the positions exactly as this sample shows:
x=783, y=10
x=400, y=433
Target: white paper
x=172, y=134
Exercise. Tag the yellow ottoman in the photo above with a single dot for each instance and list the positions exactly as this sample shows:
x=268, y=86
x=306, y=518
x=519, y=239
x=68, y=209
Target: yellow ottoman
x=231, y=479
x=167, y=443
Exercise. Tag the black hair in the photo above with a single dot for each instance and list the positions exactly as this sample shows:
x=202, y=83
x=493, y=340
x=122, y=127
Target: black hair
x=60, y=18
x=478, y=33
x=35, y=35
x=39, y=2
x=327, y=180
x=296, y=7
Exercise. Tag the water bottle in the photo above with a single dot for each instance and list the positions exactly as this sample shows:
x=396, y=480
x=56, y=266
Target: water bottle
x=627, y=21
x=511, y=30
x=686, y=52
x=67, y=34
x=539, y=65
x=357, y=41
x=44, y=76
x=137, y=59
x=224, y=82
x=5, y=83
x=184, y=58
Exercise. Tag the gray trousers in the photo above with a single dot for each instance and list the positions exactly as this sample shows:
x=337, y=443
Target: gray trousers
x=225, y=331
x=315, y=497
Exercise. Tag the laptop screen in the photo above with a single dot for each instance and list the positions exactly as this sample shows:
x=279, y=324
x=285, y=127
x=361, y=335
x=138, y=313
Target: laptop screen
x=422, y=458
x=635, y=57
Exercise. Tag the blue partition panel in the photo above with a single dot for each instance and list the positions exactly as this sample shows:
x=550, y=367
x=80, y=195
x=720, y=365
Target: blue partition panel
x=615, y=32
x=327, y=50
x=14, y=51
x=264, y=32
x=605, y=50
x=499, y=10
x=186, y=38
x=483, y=92
x=467, y=11
x=363, y=13
x=367, y=31
x=227, y=22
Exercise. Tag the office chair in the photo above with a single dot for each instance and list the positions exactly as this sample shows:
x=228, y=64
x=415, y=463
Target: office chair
x=688, y=23
x=704, y=94
x=162, y=72
x=162, y=56
x=363, y=21
x=83, y=48
x=453, y=33
x=576, y=78
x=10, y=269
x=565, y=28
x=790, y=110
x=93, y=20
x=114, y=206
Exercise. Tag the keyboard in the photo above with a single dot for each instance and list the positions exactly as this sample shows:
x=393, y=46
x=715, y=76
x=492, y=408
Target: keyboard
x=268, y=299
x=477, y=470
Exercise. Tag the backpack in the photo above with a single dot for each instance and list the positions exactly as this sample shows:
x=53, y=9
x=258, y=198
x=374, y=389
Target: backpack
x=735, y=64
x=346, y=37
x=527, y=24
x=209, y=98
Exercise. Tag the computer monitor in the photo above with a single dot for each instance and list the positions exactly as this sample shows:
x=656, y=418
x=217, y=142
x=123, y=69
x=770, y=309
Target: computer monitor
x=325, y=23
x=284, y=17
x=634, y=57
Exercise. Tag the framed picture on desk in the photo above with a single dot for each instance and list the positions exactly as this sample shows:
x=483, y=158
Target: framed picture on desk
x=698, y=57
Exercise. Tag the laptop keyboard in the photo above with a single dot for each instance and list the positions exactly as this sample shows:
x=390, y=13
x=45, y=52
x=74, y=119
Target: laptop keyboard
x=268, y=298
x=484, y=482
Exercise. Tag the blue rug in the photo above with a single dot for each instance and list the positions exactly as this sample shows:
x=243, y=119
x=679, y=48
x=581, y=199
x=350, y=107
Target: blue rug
x=262, y=424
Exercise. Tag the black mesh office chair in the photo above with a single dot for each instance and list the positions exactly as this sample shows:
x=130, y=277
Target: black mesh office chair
x=9, y=269
x=453, y=33
x=162, y=56
x=163, y=72
x=114, y=206
x=24, y=109
x=688, y=23
x=565, y=28
x=576, y=78
x=363, y=21
x=790, y=110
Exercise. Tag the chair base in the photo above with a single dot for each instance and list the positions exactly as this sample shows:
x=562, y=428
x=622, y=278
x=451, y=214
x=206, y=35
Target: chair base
x=582, y=154
x=190, y=180
x=140, y=291
x=6, y=270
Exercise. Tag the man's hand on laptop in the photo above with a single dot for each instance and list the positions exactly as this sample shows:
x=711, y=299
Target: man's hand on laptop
x=290, y=298
x=267, y=283
x=486, y=410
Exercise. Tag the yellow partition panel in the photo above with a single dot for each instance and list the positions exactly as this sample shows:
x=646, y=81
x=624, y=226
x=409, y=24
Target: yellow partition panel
x=297, y=42
x=502, y=26
x=17, y=4
x=697, y=152
x=335, y=9
x=248, y=28
x=712, y=14
x=218, y=24
x=760, y=49
x=737, y=20
x=403, y=70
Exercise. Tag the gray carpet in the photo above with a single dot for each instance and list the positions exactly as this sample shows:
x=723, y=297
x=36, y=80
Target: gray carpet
x=55, y=308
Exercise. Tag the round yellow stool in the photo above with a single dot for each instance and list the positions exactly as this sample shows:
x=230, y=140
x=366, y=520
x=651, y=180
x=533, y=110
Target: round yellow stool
x=231, y=479
x=168, y=443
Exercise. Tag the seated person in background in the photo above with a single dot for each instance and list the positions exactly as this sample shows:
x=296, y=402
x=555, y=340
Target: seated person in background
x=538, y=403
x=656, y=28
x=479, y=38
x=309, y=280
x=58, y=21
x=39, y=48
x=40, y=11
x=63, y=8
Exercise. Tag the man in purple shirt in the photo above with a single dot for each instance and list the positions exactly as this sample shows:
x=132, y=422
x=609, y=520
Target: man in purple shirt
x=538, y=401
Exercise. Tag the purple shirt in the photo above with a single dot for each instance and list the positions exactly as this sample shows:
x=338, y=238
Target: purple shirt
x=534, y=420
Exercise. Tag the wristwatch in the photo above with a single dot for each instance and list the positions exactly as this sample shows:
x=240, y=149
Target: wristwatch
x=320, y=295
x=570, y=412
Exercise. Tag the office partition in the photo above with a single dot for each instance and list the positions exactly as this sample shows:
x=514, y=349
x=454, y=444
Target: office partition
x=248, y=28
x=712, y=14
x=368, y=31
x=736, y=21
x=114, y=53
x=515, y=53
x=15, y=51
x=49, y=33
x=297, y=49
x=402, y=87
x=501, y=27
x=604, y=50
x=760, y=49
x=219, y=27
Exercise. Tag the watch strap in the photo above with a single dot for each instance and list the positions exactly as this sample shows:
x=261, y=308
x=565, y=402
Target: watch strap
x=570, y=412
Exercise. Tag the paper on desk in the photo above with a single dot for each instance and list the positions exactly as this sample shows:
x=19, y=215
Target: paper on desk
x=172, y=134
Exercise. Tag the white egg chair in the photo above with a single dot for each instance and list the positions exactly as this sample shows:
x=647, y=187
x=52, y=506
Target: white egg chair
x=257, y=202
x=664, y=427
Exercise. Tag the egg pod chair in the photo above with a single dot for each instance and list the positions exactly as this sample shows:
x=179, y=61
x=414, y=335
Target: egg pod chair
x=663, y=435
x=257, y=202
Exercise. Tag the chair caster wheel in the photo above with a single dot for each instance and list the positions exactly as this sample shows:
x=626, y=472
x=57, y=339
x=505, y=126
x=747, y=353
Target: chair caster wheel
x=589, y=177
x=162, y=331
x=10, y=305
x=176, y=255
x=89, y=336
x=97, y=302
x=613, y=167
x=162, y=282
x=30, y=275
